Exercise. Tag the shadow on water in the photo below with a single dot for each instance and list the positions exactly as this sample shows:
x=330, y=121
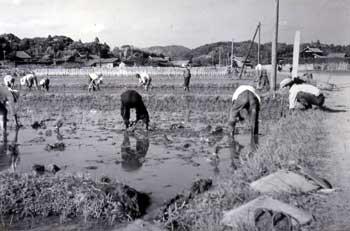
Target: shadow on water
x=9, y=153
x=331, y=110
x=133, y=157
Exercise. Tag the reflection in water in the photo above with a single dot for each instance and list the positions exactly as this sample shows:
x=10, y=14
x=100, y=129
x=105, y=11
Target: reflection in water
x=133, y=158
x=9, y=153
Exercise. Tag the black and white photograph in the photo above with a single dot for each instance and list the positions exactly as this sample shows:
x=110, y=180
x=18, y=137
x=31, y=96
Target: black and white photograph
x=156, y=115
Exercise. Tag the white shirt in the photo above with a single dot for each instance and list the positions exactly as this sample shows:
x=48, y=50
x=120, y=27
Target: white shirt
x=243, y=88
x=27, y=77
x=144, y=78
x=296, y=88
x=42, y=82
x=8, y=79
x=94, y=76
x=258, y=67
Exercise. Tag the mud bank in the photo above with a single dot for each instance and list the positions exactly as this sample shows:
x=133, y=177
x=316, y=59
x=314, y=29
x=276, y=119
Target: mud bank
x=26, y=196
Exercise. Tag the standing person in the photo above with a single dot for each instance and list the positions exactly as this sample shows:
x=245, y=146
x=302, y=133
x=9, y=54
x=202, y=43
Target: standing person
x=245, y=97
x=144, y=80
x=187, y=78
x=263, y=81
x=94, y=81
x=304, y=94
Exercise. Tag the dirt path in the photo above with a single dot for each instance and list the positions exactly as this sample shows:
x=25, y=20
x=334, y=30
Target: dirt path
x=338, y=165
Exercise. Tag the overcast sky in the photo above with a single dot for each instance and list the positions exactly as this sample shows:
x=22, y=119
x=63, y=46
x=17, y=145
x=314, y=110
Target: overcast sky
x=182, y=22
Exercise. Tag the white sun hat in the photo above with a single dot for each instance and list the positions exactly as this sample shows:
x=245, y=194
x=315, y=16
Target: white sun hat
x=285, y=82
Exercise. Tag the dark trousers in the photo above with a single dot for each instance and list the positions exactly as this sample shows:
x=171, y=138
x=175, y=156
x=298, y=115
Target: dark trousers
x=307, y=99
x=246, y=100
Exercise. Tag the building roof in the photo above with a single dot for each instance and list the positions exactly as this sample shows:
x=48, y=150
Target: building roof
x=336, y=55
x=180, y=62
x=103, y=61
x=312, y=50
x=22, y=55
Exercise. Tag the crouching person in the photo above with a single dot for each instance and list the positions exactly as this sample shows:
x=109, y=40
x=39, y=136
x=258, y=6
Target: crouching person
x=94, y=81
x=245, y=97
x=144, y=79
x=29, y=80
x=9, y=81
x=304, y=94
x=45, y=84
x=8, y=100
x=132, y=99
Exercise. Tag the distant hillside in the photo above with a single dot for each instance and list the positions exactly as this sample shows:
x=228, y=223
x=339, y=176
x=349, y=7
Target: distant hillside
x=174, y=52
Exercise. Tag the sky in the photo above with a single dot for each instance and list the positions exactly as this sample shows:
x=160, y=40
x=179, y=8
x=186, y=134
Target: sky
x=191, y=23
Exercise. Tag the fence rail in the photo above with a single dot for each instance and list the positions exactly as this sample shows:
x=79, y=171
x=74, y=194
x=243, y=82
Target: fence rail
x=126, y=71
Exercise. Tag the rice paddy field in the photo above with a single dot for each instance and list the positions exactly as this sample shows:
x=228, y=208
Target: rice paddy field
x=185, y=129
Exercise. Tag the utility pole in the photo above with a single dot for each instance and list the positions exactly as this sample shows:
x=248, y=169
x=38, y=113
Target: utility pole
x=259, y=37
x=274, y=48
x=232, y=54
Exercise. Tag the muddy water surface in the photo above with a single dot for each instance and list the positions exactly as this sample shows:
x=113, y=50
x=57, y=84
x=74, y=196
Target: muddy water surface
x=161, y=162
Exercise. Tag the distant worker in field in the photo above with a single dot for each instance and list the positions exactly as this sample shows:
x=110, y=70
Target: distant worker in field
x=302, y=94
x=144, y=80
x=9, y=81
x=245, y=97
x=29, y=80
x=45, y=83
x=258, y=69
x=262, y=80
x=8, y=101
x=94, y=81
x=187, y=78
x=132, y=99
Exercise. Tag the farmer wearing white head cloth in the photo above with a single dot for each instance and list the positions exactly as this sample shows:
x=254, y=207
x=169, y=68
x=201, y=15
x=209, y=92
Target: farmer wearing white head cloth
x=305, y=94
x=144, y=80
x=245, y=97
x=94, y=81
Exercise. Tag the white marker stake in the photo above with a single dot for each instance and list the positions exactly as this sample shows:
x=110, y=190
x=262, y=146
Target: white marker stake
x=296, y=50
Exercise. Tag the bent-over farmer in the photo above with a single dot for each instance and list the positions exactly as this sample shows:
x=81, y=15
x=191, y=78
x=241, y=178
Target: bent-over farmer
x=304, y=94
x=132, y=99
x=144, y=80
x=245, y=97
x=29, y=80
x=94, y=81
x=45, y=83
x=9, y=81
x=8, y=101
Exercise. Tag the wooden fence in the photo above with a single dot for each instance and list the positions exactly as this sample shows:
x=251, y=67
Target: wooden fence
x=127, y=71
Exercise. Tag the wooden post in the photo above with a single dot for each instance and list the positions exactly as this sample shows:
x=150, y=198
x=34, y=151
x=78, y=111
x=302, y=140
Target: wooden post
x=250, y=47
x=296, y=49
x=274, y=49
x=259, y=37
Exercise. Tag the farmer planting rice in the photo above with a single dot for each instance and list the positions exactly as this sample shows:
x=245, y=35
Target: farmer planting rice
x=144, y=80
x=245, y=97
x=29, y=80
x=304, y=94
x=132, y=99
x=8, y=99
x=187, y=78
x=45, y=84
x=94, y=81
x=9, y=81
x=262, y=80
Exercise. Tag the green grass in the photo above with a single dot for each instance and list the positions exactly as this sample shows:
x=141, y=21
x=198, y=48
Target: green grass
x=290, y=141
